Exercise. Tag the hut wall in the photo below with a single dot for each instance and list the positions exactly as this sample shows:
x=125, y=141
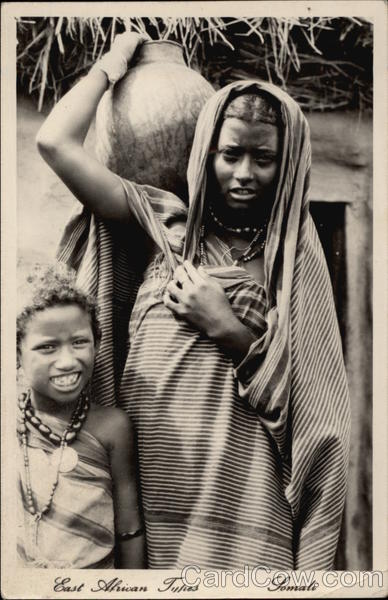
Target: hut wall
x=342, y=174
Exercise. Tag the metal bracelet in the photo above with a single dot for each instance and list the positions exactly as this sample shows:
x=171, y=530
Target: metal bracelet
x=128, y=535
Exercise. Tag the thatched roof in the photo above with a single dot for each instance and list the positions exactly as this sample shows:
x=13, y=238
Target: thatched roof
x=324, y=63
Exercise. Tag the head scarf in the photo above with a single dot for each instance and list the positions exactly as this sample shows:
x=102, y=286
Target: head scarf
x=286, y=235
x=295, y=373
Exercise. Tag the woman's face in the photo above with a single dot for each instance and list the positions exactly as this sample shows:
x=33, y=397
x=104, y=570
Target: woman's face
x=246, y=166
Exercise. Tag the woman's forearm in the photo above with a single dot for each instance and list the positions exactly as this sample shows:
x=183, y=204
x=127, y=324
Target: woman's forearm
x=69, y=121
x=235, y=338
x=61, y=138
x=60, y=142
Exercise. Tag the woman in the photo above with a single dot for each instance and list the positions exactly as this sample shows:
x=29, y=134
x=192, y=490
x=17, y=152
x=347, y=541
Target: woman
x=234, y=377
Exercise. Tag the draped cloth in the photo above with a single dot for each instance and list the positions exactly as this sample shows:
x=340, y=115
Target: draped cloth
x=280, y=505
x=78, y=530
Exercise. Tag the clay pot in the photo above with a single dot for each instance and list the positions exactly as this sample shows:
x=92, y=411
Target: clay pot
x=145, y=123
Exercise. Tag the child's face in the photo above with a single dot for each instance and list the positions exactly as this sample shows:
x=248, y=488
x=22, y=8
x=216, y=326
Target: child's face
x=57, y=355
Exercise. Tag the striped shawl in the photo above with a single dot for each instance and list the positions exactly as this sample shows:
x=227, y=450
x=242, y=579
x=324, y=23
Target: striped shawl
x=294, y=374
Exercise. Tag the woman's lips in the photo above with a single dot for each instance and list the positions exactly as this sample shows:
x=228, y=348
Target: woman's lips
x=244, y=194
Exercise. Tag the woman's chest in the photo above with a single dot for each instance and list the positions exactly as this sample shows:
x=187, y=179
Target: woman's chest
x=154, y=321
x=254, y=267
x=233, y=251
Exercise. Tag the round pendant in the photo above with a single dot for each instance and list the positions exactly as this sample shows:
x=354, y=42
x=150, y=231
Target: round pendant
x=68, y=462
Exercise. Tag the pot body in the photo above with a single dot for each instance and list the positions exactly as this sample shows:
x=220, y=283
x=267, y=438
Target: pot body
x=145, y=123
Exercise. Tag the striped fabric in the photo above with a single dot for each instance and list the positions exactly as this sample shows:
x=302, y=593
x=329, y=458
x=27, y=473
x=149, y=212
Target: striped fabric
x=239, y=465
x=78, y=530
x=210, y=477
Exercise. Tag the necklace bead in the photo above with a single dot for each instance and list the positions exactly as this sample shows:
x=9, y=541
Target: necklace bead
x=254, y=249
x=78, y=417
x=230, y=228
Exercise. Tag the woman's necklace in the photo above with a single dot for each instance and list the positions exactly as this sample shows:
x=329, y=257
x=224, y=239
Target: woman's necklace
x=229, y=228
x=254, y=248
x=64, y=459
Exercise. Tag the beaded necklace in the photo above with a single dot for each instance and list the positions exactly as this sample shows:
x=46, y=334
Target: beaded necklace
x=76, y=421
x=254, y=249
x=229, y=228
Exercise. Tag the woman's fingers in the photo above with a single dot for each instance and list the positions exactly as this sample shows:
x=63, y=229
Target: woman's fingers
x=126, y=42
x=192, y=272
x=115, y=62
x=171, y=304
x=180, y=275
x=168, y=302
x=187, y=272
x=175, y=290
x=201, y=271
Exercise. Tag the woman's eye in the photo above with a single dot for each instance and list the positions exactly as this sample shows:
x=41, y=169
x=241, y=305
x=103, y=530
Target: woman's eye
x=264, y=161
x=229, y=157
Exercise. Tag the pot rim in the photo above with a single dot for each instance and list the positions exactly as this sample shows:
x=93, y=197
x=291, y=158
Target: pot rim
x=149, y=42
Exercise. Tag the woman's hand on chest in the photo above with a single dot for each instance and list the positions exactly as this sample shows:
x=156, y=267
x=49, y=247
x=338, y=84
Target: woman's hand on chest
x=199, y=299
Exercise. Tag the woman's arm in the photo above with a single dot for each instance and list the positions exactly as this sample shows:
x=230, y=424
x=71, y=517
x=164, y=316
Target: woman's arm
x=201, y=300
x=60, y=139
x=125, y=494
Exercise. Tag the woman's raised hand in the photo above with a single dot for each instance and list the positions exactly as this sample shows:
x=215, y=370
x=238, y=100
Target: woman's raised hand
x=61, y=138
x=115, y=62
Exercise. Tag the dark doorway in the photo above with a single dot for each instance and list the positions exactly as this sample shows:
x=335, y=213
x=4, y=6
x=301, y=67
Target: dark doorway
x=329, y=219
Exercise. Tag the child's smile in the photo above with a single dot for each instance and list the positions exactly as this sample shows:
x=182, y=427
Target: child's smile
x=57, y=356
x=66, y=382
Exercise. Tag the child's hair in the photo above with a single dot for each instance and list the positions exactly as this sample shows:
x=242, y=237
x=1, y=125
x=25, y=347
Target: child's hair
x=54, y=286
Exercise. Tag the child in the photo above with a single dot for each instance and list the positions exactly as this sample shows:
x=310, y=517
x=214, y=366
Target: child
x=77, y=473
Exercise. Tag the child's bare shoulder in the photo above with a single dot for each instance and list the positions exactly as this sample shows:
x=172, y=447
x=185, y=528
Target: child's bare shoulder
x=108, y=412
x=108, y=424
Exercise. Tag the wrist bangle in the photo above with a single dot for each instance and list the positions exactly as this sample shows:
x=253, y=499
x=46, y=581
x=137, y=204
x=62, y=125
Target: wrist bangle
x=129, y=535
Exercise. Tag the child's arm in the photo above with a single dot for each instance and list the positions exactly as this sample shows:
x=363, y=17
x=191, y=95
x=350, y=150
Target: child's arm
x=125, y=495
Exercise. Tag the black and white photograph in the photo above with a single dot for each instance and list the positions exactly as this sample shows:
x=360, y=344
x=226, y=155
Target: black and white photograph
x=194, y=299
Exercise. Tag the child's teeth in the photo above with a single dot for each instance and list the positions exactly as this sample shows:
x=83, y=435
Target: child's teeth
x=66, y=379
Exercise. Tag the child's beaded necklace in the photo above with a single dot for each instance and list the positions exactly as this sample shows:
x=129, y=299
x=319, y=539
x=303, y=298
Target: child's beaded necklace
x=64, y=458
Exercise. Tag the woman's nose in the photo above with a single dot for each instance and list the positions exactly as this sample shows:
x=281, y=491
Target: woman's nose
x=243, y=172
x=65, y=359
